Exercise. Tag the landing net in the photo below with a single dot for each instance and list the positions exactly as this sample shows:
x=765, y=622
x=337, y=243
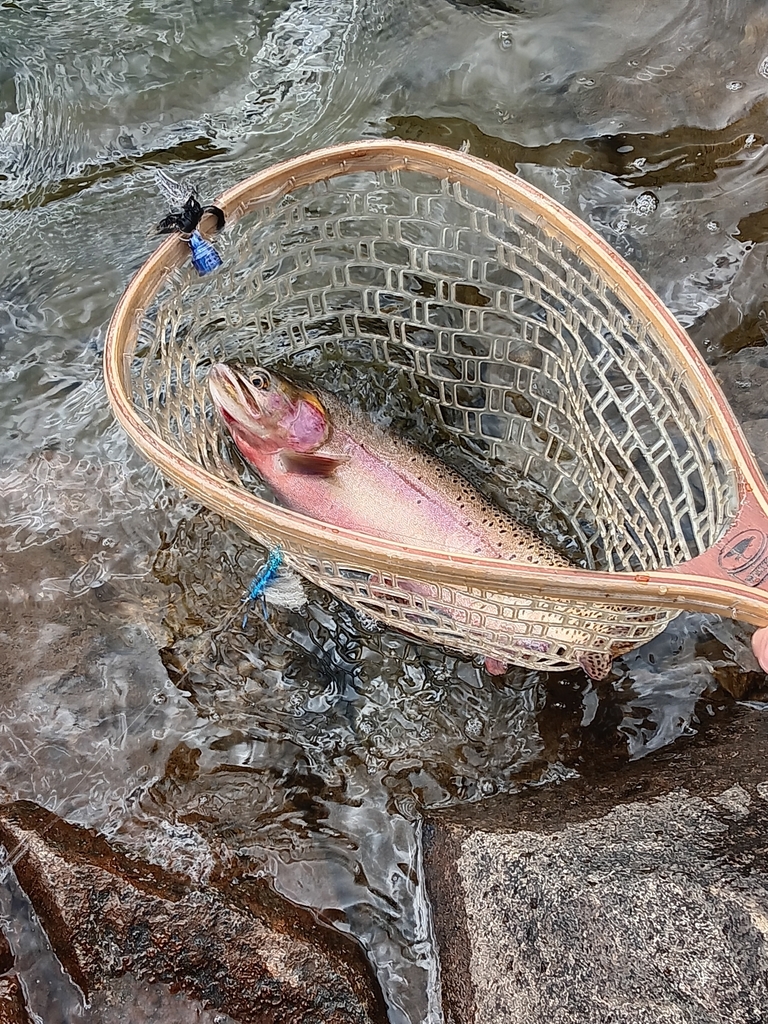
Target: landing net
x=466, y=295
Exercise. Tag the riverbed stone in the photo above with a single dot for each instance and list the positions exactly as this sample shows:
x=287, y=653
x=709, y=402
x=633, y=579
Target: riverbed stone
x=631, y=894
x=238, y=948
x=13, y=1008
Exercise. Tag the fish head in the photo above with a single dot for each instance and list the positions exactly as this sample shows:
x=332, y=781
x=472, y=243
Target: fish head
x=267, y=410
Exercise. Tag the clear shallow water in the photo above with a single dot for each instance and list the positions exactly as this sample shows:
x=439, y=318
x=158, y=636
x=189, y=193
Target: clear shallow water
x=311, y=741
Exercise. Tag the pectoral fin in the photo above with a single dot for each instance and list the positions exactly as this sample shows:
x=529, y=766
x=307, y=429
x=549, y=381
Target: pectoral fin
x=310, y=464
x=597, y=666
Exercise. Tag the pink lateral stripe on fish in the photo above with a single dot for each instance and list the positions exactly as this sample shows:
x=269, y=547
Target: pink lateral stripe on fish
x=324, y=460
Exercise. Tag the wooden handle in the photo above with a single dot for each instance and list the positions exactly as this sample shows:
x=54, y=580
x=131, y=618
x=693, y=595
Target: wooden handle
x=739, y=557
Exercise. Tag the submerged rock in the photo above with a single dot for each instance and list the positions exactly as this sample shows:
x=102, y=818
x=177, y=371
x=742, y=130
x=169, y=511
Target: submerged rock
x=237, y=948
x=627, y=896
x=13, y=1008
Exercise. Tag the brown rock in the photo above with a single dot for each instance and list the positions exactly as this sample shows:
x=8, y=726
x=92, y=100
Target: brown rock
x=6, y=956
x=13, y=1008
x=231, y=947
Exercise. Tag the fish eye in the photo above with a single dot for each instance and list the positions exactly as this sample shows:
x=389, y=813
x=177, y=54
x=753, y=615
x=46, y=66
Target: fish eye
x=261, y=380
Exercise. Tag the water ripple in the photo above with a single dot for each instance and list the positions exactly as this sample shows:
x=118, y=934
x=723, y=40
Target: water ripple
x=306, y=747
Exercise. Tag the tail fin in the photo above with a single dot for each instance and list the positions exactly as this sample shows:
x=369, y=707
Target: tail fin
x=597, y=666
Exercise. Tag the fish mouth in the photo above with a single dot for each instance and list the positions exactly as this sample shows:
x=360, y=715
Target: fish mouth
x=235, y=398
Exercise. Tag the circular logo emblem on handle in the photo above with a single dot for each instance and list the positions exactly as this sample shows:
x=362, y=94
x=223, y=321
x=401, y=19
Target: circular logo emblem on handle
x=742, y=551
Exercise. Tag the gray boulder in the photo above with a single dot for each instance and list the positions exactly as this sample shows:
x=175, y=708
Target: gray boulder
x=630, y=895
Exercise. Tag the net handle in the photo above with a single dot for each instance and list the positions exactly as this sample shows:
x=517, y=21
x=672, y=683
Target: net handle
x=700, y=584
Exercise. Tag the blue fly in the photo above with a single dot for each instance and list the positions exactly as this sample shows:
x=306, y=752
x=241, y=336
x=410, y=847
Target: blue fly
x=204, y=256
x=186, y=213
x=275, y=584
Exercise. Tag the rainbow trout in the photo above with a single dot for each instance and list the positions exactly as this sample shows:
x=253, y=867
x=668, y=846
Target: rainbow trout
x=324, y=460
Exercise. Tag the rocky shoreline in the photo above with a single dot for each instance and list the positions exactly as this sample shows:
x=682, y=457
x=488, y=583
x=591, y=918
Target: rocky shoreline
x=633, y=893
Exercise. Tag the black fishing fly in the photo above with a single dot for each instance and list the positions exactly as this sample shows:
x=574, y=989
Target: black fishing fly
x=186, y=213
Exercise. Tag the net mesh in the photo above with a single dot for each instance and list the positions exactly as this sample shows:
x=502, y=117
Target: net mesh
x=485, y=328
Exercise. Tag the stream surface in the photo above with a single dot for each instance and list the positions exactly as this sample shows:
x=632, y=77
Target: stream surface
x=305, y=748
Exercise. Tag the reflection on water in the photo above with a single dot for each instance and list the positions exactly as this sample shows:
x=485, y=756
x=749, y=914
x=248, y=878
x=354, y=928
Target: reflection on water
x=305, y=747
x=322, y=737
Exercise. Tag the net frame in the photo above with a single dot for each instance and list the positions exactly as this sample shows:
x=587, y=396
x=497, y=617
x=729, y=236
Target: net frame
x=533, y=615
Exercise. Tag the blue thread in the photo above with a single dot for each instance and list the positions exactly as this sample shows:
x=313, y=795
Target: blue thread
x=204, y=257
x=266, y=575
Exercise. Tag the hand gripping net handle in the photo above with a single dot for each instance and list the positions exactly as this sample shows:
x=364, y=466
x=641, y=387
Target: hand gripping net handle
x=523, y=332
